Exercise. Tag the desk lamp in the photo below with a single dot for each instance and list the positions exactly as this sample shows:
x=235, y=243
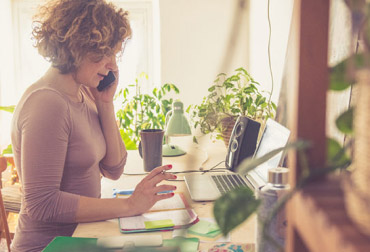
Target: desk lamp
x=176, y=125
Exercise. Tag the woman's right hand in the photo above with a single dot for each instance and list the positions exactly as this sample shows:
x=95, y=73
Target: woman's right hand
x=146, y=192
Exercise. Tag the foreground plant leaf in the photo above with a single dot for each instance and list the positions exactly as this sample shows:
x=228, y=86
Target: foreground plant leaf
x=345, y=122
x=336, y=154
x=234, y=207
x=249, y=164
x=339, y=79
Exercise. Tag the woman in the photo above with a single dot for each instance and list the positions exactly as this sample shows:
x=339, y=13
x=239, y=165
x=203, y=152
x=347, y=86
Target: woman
x=64, y=132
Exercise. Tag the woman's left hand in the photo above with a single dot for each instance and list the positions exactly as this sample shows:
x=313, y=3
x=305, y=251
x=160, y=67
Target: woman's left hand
x=107, y=94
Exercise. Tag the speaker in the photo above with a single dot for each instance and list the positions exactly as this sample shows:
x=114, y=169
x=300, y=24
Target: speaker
x=243, y=141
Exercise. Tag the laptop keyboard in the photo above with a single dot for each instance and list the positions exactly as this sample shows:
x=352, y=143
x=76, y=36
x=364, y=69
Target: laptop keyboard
x=228, y=182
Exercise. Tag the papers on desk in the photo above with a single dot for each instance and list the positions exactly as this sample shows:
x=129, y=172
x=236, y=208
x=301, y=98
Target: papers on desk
x=205, y=229
x=168, y=214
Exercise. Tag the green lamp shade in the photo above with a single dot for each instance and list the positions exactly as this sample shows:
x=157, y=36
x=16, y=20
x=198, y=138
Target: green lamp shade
x=177, y=125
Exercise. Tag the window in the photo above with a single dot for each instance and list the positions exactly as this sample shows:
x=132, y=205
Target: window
x=24, y=65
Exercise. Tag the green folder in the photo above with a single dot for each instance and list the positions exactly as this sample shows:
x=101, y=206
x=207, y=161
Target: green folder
x=72, y=244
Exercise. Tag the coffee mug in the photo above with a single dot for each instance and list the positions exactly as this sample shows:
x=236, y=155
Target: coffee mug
x=150, y=148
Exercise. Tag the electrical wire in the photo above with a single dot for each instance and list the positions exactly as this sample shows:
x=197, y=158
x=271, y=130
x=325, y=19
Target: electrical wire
x=212, y=169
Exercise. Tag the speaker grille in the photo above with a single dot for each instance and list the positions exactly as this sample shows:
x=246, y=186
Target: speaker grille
x=243, y=141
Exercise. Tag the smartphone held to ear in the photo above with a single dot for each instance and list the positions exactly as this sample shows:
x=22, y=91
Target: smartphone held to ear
x=108, y=80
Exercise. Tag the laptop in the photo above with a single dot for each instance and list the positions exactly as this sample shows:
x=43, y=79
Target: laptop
x=209, y=187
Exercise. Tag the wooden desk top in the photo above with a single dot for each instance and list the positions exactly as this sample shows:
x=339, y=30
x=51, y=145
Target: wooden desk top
x=196, y=157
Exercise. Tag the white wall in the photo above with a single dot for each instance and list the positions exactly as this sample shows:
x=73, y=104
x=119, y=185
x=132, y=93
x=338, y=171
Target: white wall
x=194, y=37
x=280, y=16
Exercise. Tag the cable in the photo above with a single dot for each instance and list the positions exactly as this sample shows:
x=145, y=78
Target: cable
x=212, y=169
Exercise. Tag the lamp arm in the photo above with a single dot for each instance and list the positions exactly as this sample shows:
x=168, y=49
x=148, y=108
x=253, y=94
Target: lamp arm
x=166, y=139
x=169, y=113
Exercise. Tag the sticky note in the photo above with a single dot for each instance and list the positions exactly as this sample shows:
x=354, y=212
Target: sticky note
x=158, y=224
x=203, y=227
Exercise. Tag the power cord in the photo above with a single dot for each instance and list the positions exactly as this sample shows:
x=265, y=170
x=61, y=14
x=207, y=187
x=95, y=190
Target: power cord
x=212, y=169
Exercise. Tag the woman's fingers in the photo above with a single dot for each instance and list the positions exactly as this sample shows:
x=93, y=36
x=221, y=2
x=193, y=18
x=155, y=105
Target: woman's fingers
x=160, y=170
x=147, y=192
x=163, y=196
x=163, y=188
x=160, y=177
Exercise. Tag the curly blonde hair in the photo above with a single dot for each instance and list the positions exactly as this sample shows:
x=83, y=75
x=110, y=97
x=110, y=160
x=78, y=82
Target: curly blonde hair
x=65, y=31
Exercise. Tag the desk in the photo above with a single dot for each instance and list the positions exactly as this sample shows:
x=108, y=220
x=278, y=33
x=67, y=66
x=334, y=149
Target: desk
x=196, y=157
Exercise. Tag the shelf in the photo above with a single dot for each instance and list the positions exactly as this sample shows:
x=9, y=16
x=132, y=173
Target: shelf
x=321, y=220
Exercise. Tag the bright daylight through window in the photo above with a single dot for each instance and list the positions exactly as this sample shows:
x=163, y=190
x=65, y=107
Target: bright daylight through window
x=24, y=65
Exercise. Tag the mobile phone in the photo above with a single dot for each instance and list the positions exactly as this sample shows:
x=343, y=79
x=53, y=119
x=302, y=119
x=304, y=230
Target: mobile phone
x=108, y=80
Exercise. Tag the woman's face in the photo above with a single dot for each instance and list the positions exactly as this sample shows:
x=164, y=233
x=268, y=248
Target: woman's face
x=92, y=71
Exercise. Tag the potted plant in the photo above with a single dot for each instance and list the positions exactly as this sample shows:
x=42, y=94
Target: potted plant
x=142, y=111
x=228, y=98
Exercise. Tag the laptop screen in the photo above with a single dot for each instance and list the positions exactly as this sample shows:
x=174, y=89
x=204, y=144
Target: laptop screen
x=274, y=136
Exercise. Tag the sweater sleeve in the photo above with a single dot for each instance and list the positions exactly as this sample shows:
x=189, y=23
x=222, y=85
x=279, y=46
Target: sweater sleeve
x=45, y=125
x=116, y=170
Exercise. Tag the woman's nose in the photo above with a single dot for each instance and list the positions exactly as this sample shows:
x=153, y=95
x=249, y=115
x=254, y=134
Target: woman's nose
x=112, y=63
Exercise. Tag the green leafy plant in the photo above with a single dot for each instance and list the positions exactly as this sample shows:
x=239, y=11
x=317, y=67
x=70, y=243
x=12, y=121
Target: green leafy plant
x=142, y=111
x=230, y=97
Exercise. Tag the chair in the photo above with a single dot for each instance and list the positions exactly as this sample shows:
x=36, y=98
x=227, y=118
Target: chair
x=10, y=201
x=4, y=223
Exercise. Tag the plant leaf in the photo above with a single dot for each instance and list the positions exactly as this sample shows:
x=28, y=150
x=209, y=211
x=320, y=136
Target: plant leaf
x=336, y=154
x=249, y=164
x=345, y=122
x=234, y=207
x=8, y=150
x=9, y=109
x=338, y=74
x=130, y=145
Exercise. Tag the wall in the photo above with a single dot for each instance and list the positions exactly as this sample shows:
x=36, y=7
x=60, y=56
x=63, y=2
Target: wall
x=194, y=40
x=195, y=37
x=280, y=16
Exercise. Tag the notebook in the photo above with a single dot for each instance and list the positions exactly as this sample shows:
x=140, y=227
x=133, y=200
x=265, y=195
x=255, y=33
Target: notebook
x=167, y=214
x=209, y=187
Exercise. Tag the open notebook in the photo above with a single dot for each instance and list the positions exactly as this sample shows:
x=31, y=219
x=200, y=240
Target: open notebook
x=167, y=214
x=207, y=187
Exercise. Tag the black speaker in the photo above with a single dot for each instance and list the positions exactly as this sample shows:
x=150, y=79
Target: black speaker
x=243, y=141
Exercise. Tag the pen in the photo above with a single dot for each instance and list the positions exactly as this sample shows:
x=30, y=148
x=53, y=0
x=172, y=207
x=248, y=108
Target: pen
x=131, y=191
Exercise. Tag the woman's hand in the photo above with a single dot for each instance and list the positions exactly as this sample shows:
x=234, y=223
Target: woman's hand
x=146, y=192
x=107, y=94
